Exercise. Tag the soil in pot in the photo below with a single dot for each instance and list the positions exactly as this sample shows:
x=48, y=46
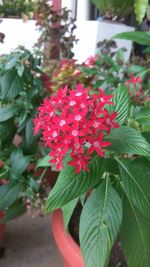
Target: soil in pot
x=117, y=258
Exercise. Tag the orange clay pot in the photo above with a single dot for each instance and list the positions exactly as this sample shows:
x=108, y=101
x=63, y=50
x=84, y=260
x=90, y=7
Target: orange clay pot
x=68, y=248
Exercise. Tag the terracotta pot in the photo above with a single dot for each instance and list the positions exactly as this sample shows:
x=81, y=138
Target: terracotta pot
x=67, y=246
x=2, y=227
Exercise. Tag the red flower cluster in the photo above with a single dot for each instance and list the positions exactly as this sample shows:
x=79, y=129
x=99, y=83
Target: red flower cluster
x=91, y=60
x=71, y=120
x=136, y=91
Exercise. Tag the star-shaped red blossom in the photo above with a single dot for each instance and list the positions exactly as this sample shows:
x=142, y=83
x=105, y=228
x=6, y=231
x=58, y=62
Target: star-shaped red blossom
x=72, y=119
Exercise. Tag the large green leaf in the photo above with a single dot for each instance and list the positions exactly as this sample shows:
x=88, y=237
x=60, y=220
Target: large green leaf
x=68, y=211
x=29, y=132
x=135, y=179
x=128, y=140
x=137, y=37
x=7, y=132
x=140, y=7
x=15, y=210
x=70, y=185
x=8, y=194
x=143, y=117
x=121, y=103
x=99, y=225
x=19, y=162
x=44, y=162
x=11, y=85
x=7, y=112
x=135, y=69
x=135, y=236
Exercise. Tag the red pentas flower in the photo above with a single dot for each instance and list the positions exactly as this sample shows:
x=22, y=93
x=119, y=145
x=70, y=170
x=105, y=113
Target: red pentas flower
x=136, y=91
x=71, y=121
x=91, y=60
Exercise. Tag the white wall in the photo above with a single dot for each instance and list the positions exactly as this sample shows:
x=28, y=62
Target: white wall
x=70, y=4
x=18, y=33
x=90, y=33
x=83, y=10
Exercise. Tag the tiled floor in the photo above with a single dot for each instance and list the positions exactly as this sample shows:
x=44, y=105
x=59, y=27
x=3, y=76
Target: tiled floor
x=29, y=243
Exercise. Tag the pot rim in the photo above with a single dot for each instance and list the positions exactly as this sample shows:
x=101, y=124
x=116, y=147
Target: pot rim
x=66, y=244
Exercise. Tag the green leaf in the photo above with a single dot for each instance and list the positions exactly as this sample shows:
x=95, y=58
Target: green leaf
x=11, y=85
x=99, y=225
x=147, y=136
x=11, y=62
x=111, y=166
x=22, y=118
x=140, y=8
x=121, y=103
x=135, y=236
x=34, y=185
x=7, y=112
x=68, y=211
x=44, y=162
x=70, y=185
x=137, y=37
x=134, y=69
x=147, y=50
x=8, y=194
x=7, y=132
x=20, y=70
x=14, y=211
x=19, y=162
x=143, y=117
x=29, y=132
x=120, y=56
x=128, y=140
x=135, y=180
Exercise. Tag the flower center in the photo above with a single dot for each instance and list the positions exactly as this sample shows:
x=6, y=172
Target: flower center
x=74, y=132
x=78, y=94
x=77, y=145
x=77, y=117
x=96, y=144
x=102, y=99
x=95, y=124
x=108, y=121
x=72, y=103
x=54, y=134
x=82, y=105
x=62, y=123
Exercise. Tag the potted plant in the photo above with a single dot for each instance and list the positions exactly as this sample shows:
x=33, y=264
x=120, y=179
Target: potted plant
x=19, y=16
x=117, y=10
x=100, y=144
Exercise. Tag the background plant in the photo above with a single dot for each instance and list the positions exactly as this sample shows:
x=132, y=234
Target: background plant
x=56, y=27
x=17, y=8
x=108, y=65
x=21, y=91
x=123, y=8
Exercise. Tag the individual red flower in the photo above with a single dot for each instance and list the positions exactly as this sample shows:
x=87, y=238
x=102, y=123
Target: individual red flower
x=80, y=161
x=57, y=162
x=135, y=80
x=91, y=60
x=96, y=144
x=110, y=120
